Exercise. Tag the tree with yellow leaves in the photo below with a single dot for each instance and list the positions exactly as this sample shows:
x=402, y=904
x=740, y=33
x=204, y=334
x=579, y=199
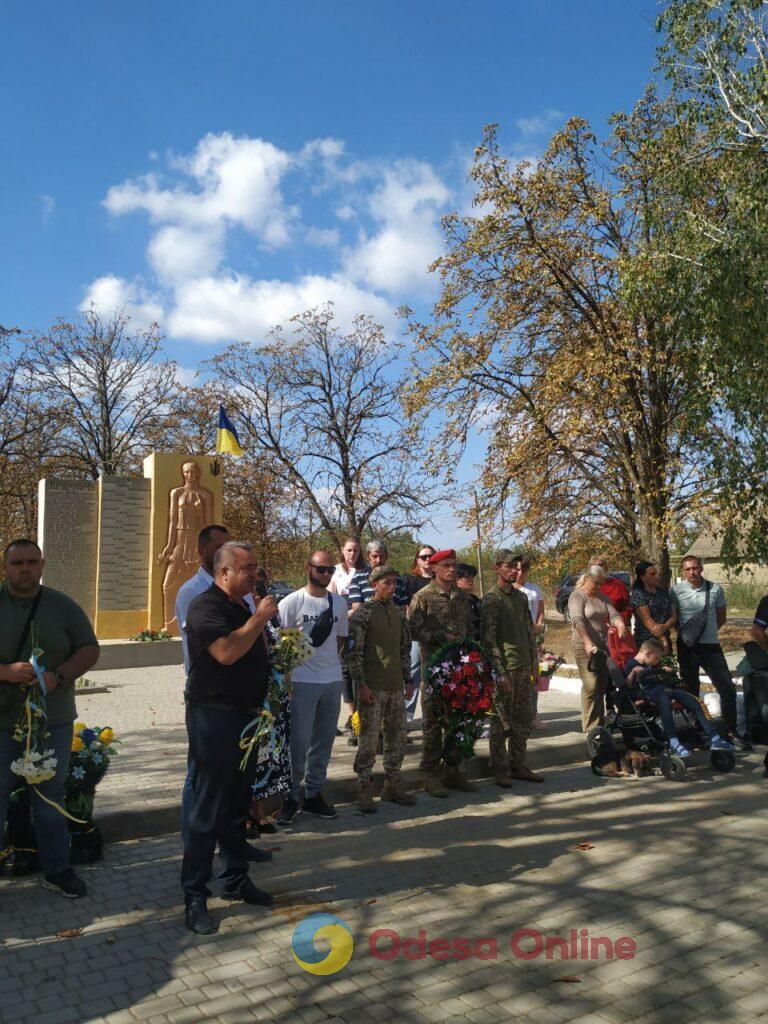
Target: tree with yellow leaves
x=565, y=329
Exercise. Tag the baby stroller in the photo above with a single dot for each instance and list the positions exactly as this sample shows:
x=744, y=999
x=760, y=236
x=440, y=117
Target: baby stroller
x=636, y=719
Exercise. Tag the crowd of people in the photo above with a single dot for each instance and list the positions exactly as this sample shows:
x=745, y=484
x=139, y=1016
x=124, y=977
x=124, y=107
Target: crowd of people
x=373, y=633
x=695, y=608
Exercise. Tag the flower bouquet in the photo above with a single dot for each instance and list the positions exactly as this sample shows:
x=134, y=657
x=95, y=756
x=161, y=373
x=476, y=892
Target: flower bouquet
x=92, y=751
x=549, y=663
x=289, y=648
x=292, y=647
x=461, y=683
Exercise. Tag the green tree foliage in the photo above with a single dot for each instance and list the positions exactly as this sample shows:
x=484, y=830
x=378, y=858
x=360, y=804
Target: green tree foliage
x=716, y=56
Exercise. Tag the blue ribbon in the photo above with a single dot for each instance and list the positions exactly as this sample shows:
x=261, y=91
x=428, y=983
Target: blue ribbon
x=39, y=670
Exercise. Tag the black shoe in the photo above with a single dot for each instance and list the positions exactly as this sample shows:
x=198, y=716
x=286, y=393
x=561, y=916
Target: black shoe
x=316, y=805
x=66, y=883
x=339, y=732
x=249, y=893
x=352, y=741
x=254, y=854
x=288, y=811
x=266, y=828
x=197, y=918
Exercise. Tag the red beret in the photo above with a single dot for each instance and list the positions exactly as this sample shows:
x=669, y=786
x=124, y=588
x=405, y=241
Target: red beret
x=440, y=556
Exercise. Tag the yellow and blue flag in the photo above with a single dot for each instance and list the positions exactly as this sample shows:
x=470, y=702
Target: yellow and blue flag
x=227, y=440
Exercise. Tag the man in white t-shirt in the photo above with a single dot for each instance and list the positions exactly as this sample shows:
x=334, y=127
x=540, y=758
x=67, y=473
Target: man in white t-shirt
x=316, y=686
x=535, y=598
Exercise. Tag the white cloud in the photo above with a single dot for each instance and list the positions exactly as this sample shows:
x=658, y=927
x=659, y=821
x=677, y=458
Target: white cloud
x=237, y=182
x=109, y=294
x=324, y=149
x=239, y=308
x=538, y=125
x=408, y=205
x=178, y=253
x=187, y=376
x=323, y=237
x=386, y=237
x=47, y=209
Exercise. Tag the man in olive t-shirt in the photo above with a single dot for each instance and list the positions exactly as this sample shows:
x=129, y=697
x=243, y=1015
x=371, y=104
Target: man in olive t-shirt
x=34, y=616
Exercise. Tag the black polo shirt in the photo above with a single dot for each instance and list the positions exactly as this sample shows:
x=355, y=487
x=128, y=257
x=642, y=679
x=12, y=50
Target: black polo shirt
x=242, y=685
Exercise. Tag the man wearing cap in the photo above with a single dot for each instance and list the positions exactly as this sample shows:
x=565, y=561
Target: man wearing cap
x=379, y=663
x=439, y=613
x=508, y=637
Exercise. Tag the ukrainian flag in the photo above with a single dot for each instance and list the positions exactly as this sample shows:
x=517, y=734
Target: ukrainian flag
x=227, y=440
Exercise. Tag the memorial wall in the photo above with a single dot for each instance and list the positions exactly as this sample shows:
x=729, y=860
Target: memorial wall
x=122, y=546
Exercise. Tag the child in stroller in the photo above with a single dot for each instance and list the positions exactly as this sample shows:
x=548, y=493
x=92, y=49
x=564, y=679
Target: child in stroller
x=644, y=671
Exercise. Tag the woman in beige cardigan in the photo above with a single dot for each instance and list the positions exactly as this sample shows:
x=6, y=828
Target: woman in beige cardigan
x=591, y=613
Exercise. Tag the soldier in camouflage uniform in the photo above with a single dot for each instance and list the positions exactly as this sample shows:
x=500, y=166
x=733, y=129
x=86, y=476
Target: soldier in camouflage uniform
x=508, y=637
x=379, y=663
x=438, y=614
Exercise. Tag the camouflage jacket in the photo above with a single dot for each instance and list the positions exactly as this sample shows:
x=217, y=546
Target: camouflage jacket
x=435, y=617
x=507, y=632
x=379, y=652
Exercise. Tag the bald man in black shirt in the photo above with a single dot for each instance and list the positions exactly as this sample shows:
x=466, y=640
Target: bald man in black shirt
x=226, y=685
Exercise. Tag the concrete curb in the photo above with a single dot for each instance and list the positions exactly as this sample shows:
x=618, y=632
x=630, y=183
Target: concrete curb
x=132, y=654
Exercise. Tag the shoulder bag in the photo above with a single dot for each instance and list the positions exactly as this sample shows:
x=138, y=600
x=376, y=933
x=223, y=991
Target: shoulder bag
x=692, y=628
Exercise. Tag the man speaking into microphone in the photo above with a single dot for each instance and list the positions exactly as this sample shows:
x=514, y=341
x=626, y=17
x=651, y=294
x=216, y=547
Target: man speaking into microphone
x=226, y=685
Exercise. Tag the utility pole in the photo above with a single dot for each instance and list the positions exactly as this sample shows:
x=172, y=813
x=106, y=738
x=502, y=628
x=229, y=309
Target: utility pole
x=479, y=545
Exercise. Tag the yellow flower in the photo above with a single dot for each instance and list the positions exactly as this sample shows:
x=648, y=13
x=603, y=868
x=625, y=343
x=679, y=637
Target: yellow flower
x=106, y=736
x=77, y=744
x=355, y=723
x=79, y=726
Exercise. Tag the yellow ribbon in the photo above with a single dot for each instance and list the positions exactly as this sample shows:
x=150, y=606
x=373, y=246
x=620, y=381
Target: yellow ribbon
x=51, y=803
x=262, y=726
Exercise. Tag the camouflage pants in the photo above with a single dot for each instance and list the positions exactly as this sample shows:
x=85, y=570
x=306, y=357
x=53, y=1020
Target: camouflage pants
x=387, y=715
x=508, y=752
x=433, y=736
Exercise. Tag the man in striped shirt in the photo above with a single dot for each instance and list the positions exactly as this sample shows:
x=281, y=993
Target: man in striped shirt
x=360, y=589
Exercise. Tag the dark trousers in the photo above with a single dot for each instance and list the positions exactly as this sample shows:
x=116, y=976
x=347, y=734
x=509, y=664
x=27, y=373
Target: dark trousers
x=217, y=798
x=710, y=657
x=663, y=696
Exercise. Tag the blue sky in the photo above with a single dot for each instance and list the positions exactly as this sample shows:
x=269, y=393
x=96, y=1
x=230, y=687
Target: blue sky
x=218, y=166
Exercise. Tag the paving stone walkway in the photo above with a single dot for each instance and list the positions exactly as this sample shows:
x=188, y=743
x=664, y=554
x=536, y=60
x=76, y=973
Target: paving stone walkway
x=141, y=794
x=678, y=868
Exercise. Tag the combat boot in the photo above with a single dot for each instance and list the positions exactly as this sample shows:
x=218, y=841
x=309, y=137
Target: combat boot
x=455, y=779
x=394, y=793
x=433, y=785
x=365, y=797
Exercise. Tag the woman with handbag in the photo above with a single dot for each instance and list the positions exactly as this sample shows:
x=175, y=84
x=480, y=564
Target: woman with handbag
x=591, y=614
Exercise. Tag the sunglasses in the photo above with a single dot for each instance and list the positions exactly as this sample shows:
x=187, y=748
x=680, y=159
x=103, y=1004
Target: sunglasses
x=424, y=558
x=326, y=569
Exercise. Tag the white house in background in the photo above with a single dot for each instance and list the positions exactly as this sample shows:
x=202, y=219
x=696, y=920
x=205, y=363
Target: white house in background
x=708, y=547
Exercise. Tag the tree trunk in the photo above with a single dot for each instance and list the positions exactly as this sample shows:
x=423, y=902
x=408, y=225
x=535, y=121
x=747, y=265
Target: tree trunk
x=654, y=543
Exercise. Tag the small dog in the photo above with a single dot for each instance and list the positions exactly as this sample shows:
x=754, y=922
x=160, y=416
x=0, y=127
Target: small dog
x=613, y=765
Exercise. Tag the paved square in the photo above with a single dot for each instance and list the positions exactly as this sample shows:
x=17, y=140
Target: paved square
x=679, y=868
